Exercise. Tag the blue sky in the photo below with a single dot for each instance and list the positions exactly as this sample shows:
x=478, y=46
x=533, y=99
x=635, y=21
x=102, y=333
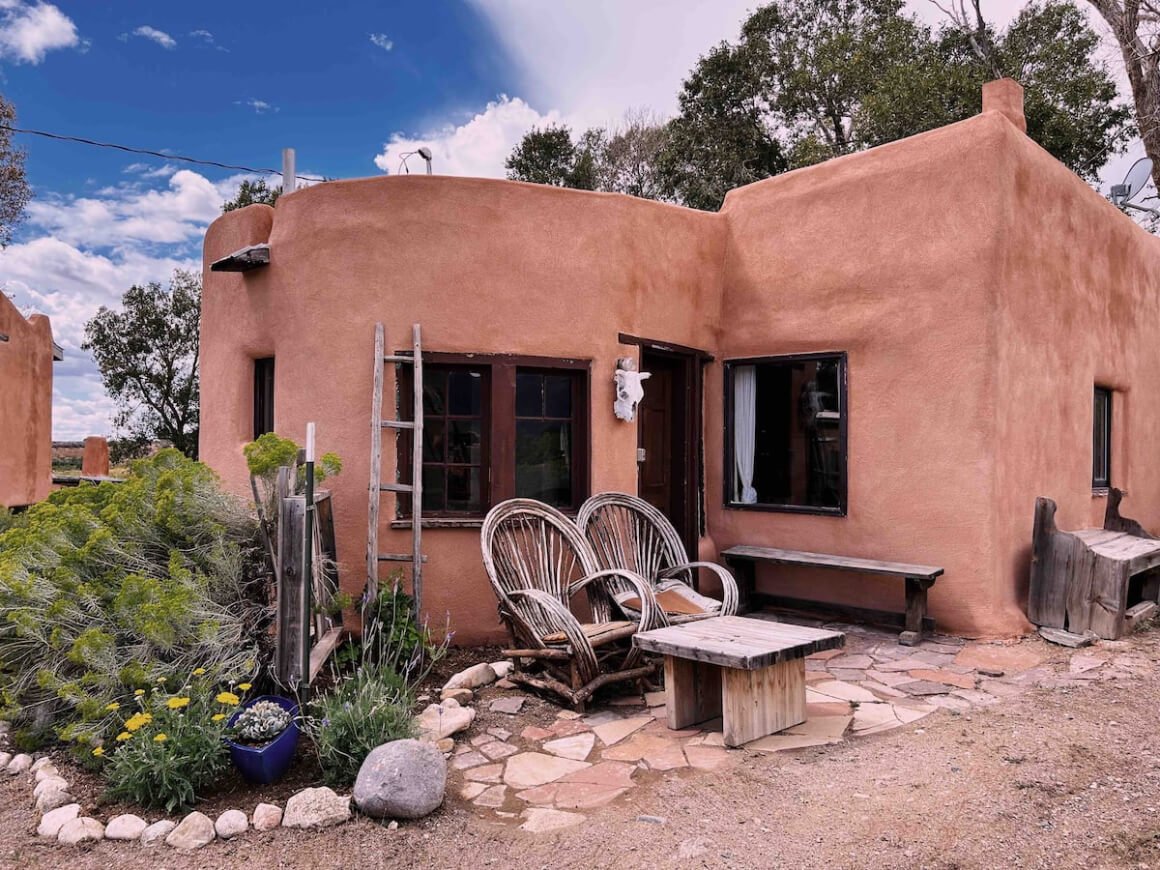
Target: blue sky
x=350, y=85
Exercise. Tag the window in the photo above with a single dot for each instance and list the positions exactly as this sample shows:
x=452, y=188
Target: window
x=496, y=428
x=263, y=396
x=1102, y=439
x=786, y=433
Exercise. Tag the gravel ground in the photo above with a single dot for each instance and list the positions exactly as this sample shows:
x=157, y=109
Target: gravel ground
x=1064, y=777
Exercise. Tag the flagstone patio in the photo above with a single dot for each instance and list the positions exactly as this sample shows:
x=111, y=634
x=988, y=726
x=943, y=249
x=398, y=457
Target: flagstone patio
x=545, y=776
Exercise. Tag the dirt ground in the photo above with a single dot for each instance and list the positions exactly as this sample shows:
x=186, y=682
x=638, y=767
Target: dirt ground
x=1063, y=777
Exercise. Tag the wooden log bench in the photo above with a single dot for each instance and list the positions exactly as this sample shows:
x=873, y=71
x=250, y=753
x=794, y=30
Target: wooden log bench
x=750, y=672
x=918, y=579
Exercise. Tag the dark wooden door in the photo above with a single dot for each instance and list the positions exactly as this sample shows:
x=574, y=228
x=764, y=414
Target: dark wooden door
x=663, y=468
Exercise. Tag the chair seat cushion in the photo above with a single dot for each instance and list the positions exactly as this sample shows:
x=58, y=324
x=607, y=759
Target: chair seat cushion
x=596, y=632
x=674, y=597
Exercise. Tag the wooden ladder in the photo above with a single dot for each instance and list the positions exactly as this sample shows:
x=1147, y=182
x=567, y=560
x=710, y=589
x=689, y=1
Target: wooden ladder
x=415, y=487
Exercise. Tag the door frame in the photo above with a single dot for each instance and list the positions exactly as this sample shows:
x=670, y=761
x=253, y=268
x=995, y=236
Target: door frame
x=691, y=362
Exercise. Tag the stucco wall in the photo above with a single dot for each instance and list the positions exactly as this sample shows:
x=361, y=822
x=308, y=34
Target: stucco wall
x=25, y=407
x=890, y=255
x=484, y=266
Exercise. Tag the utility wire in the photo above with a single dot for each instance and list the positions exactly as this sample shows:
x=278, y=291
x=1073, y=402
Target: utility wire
x=149, y=153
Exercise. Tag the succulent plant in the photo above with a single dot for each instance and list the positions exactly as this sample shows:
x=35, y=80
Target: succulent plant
x=261, y=722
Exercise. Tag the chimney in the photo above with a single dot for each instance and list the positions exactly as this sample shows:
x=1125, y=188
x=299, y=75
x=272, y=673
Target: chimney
x=1005, y=96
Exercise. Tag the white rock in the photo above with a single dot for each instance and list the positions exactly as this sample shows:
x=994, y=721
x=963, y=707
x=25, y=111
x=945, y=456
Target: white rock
x=502, y=669
x=19, y=764
x=193, y=832
x=46, y=784
x=126, y=827
x=472, y=677
x=5, y=757
x=316, y=808
x=41, y=763
x=403, y=779
x=52, y=798
x=157, y=832
x=437, y=722
x=45, y=771
x=54, y=820
x=80, y=830
x=231, y=823
x=462, y=696
x=266, y=817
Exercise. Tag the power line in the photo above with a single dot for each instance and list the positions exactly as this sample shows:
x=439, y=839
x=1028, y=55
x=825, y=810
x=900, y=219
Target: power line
x=131, y=150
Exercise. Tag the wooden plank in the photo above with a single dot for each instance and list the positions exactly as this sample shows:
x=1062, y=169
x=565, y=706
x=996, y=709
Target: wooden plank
x=417, y=474
x=243, y=260
x=760, y=702
x=692, y=692
x=372, y=582
x=736, y=642
x=915, y=610
x=1115, y=522
x=291, y=633
x=1108, y=597
x=322, y=650
x=825, y=560
x=1047, y=595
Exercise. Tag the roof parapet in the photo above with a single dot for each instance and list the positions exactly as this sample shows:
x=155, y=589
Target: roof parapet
x=1005, y=96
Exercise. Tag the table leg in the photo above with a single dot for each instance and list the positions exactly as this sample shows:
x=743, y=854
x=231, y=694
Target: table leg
x=764, y=701
x=692, y=692
x=915, y=611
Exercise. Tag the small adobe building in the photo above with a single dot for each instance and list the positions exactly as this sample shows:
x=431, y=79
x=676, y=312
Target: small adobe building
x=889, y=355
x=27, y=353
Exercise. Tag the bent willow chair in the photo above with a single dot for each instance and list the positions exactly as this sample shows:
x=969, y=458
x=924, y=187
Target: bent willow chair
x=629, y=533
x=537, y=560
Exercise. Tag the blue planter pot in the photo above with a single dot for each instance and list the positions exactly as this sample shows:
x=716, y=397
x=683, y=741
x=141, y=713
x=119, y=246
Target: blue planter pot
x=266, y=764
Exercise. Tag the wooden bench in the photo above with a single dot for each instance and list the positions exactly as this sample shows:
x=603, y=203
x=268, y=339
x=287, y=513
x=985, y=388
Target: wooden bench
x=919, y=578
x=750, y=672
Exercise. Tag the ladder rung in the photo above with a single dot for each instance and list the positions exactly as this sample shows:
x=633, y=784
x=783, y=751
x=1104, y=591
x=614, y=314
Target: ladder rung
x=397, y=358
x=396, y=487
x=398, y=424
x=398, y=557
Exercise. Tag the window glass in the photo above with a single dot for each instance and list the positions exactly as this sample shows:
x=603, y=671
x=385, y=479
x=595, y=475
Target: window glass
x=453, y=426
x=786, y=433
x=544, y=442
x=1102, y=439
x=263, y=396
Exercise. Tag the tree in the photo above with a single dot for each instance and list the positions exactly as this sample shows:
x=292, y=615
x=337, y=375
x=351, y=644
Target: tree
x=14, y=191
x=549, y=156
x=1135, y=25
x=627, y=160
x=253, y=193
x=147, y=355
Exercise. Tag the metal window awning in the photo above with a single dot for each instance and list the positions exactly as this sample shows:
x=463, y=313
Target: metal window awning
x=251, y=257
x=57, y=352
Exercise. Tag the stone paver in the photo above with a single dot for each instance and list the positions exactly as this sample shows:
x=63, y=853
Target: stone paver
x=539, y=820
x=487, y=773
x=529, y=769
x=1010, y=658
x=577, y=747
x=493, y=796
x=611, y=733
x=468, y=759
x=833, y=690
x=497, y=750
x=962, y=681
x=655, y=750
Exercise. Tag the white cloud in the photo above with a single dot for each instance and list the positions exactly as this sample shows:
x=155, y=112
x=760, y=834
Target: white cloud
x=208, y=39
x=28, y=31
x=152, y=33
x=382, y=41
x=476, y=147
x=260, y=107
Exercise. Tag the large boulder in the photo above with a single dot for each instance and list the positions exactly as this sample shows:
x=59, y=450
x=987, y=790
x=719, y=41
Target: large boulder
x=403, y=779
x=315, y=808
x=194, y=831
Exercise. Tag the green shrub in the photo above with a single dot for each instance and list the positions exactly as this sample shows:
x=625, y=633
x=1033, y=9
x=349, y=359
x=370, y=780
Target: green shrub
x=109, y=588
x=168, y=747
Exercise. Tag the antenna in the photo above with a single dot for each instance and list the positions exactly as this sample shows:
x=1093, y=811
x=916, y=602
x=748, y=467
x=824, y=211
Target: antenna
x=1134, y=182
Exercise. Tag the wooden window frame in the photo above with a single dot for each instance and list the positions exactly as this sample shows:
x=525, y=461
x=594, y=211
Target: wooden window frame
x=843, y=440
x=263, y=396
x=499, y=427
x=1103, y=484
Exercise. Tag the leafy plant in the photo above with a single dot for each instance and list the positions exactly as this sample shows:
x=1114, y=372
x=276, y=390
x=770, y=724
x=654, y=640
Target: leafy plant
x=171, y=748
x=111, y=588
x=261, y=722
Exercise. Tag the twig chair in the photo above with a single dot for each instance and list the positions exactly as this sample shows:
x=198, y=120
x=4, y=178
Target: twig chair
x=629, y=533
x=537, y=560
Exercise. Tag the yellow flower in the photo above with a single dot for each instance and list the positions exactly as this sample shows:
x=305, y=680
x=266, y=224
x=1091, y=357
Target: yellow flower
x=139, y=692
x=161, y=679
x=138, y=721
x=245, y=687
x=123, y=736
x=177, y=703
x=227, y=698
x=199, y=672
x=160, y=738
x=217, y=717
x=99, y=751
x=113, y=706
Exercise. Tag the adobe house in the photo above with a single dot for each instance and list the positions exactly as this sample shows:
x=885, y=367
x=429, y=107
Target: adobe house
x=27, y=353
x=888, y=355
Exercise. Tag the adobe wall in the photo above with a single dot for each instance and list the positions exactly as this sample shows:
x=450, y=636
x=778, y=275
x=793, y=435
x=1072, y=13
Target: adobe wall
x=25, y=407
x=485, y=266
x=892, y=256
x=1082, y=309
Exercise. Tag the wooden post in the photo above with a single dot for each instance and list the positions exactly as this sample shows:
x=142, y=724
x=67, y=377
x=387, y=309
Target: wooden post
x=764, y=701
x=289, y=174
x=915, y=611
x=692, y=692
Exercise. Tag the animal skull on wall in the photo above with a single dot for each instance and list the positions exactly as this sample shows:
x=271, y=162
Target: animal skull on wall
x=629, y=388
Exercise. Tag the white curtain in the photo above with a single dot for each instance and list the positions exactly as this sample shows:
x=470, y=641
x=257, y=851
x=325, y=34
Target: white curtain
x=744, y=430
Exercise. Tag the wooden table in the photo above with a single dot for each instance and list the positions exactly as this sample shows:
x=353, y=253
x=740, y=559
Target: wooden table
x=750, y=672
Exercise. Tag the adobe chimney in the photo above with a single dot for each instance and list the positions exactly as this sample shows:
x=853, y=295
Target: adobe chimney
x=1006, y=97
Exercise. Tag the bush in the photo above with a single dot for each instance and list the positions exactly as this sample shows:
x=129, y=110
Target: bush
x=171, y=746
x=110, y=588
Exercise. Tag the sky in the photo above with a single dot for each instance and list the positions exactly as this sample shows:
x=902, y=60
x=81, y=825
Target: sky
x=351, y=89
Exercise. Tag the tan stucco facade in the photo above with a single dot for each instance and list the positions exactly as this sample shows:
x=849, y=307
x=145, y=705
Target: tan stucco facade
x=978, y=288
x=25, y=406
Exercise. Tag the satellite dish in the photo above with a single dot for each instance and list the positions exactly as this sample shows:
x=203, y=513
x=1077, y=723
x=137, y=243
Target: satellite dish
x=1134, y=182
